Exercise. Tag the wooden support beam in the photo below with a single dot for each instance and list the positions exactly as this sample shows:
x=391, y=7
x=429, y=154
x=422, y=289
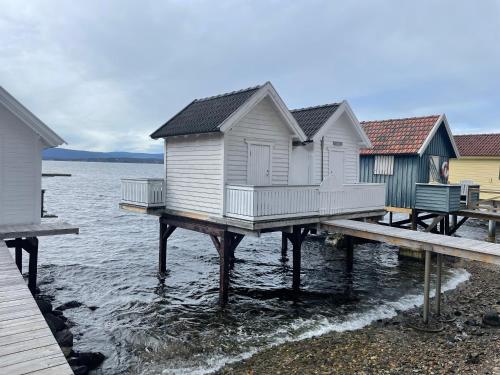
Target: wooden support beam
x=439, y=269
x=19, y=254
x=297, y=244
x=194, y=225
x=284, y=244
x=166, y=231
x=32, y=244
x=427, y=285
x=456, y=226
x=433, y=224
x=349, y=253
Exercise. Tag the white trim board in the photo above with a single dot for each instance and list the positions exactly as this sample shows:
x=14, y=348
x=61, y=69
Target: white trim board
x=267, y=90
x=441, y=119
x=48, y=136
x=343, y=108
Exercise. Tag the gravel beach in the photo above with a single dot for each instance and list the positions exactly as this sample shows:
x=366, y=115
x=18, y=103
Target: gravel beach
x=468, y=343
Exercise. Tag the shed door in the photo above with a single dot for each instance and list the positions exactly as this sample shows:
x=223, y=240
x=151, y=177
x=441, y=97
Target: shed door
x=259, y=164
x=336, y=165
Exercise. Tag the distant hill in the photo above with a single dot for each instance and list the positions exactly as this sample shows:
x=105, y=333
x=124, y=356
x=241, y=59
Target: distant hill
x=117, y=157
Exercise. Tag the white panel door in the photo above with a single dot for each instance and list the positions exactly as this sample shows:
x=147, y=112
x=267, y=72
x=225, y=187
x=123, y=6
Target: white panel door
x=300, y=166
x=259, y=164
x=336, y=165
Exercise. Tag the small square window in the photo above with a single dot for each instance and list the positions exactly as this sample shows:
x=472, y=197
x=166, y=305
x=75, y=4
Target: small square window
x=384, y=164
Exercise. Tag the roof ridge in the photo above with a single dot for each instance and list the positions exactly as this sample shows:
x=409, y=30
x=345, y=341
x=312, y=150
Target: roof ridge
x=401, y=119
x=315, y=107
x=228, y=93
x=474, y=134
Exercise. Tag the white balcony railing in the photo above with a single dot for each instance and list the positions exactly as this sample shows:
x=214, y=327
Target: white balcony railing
x=282, y=201
x=143, y=192
x=268, y=202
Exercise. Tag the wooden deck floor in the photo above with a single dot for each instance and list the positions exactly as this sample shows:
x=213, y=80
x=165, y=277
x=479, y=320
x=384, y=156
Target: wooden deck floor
x=454, y=246
x=27, y=345
x=37, y=230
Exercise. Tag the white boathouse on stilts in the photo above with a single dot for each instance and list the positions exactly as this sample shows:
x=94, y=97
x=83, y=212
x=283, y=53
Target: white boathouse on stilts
x=242, y=163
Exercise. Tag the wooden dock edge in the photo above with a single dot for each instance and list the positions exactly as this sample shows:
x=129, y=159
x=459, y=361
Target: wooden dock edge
x=27, y=344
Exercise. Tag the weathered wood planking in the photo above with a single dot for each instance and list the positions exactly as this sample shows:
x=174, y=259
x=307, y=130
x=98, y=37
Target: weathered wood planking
x=26, y=342
x=478, y=214
x=36, y=230
x=454, y=246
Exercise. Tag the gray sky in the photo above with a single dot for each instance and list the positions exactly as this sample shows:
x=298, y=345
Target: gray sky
x=105, y=74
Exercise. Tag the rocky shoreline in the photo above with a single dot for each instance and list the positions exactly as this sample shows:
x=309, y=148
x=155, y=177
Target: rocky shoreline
x=81, y=362
x=466, y=339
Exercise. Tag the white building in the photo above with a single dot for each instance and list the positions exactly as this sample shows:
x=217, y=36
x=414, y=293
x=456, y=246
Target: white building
x=244, y=155
x=23, y=137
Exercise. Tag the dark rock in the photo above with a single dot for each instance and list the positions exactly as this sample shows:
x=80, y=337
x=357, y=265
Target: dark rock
x=457, y=313
x=55, y=323
x=80, y=370
x=472, y=358
x=64, y=338
x=91, y=360
x=44, y=306
x=491, y=318
x=92, y=308
x=69, y=305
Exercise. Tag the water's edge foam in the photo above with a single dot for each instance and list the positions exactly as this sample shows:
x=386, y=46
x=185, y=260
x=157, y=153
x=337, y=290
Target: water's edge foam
x=352, y=322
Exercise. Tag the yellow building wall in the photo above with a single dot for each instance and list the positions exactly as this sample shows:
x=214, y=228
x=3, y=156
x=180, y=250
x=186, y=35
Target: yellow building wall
x=483, y=171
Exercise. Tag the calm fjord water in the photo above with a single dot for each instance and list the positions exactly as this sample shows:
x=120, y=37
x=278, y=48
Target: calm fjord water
x=146, y=327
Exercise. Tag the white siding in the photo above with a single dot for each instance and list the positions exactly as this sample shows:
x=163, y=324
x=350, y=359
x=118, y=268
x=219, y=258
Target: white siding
x=194, y=174
x=341, y=131
x=20, y=171
x=264, y=124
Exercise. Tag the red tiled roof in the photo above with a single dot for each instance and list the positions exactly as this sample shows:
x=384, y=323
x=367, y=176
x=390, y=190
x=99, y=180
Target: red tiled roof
x=478, y=144
x=398, y=136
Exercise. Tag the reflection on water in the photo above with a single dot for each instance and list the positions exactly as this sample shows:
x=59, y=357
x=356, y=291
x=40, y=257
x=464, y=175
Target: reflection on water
x=146, y=326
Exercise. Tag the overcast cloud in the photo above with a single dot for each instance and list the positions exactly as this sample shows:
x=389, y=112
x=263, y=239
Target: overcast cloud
x=105, y=74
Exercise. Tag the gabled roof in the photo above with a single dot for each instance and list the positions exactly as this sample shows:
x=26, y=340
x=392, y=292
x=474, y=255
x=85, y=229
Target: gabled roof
x=315, y=121
x=48, y=136
x=205, y=115
x=219, y=113
x=311, y=119
x=409, y=135
x=478, y=144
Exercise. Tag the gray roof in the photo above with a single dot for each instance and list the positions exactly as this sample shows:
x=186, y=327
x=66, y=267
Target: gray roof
x=205, y=115
x=311, y=119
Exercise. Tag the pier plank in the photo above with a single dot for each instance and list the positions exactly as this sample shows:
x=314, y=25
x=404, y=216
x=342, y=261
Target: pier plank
x=453, y=246
x=26, y=342
x=36, y=230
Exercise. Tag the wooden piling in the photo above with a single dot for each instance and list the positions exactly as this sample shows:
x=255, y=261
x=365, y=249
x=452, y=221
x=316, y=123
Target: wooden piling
x=19, y=254
x=284, y=244
x=162, y=251
x=32, y=248
x=492, y=229
x=427, y=284
x=439, y=266
x=297, y=244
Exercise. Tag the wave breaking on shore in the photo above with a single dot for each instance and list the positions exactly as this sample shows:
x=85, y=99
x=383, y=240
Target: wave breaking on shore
x=312, y=328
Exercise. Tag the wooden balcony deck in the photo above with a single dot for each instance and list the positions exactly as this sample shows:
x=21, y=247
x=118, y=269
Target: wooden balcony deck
x=27, y=345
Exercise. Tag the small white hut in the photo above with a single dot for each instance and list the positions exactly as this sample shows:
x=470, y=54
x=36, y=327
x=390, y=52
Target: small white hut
x=23, y=137
x=244, y=155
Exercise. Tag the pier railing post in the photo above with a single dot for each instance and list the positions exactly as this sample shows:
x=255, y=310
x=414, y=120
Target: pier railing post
x=427, y=282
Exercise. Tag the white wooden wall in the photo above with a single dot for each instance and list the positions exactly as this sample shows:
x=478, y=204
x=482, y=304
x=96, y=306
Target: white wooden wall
x=340, y=131
x=20, y=171
x=194, y=173
x=264, y=124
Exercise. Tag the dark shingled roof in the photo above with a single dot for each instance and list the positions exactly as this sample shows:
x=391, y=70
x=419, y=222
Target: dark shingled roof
x=205, y=115
x=478, y=144
x=311, y=119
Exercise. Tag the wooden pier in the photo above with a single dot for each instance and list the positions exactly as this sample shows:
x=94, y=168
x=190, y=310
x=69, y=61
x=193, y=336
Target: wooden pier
x=421, y=241
x=27, y=345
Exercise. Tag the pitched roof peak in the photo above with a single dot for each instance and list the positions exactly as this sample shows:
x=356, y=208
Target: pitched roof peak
x=316, y=107
x=404, y=119
x=228, y=93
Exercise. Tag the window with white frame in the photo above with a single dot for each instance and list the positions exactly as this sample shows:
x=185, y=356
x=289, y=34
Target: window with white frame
x=384, y=164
